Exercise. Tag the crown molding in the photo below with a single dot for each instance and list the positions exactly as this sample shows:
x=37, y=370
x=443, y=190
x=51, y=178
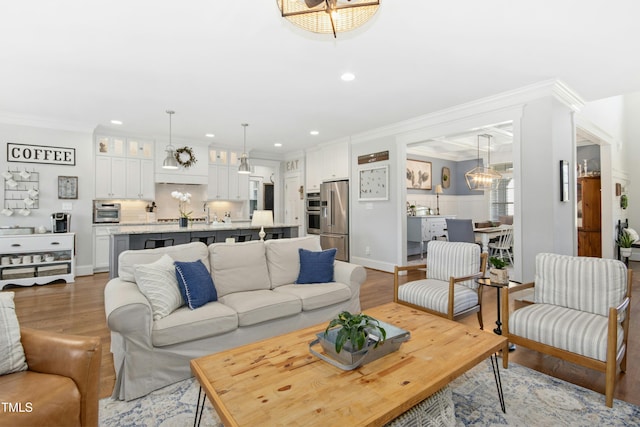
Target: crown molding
x=504, y=101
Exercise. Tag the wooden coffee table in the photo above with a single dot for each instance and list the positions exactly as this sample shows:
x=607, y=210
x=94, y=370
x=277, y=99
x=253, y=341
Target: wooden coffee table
x=278, y=382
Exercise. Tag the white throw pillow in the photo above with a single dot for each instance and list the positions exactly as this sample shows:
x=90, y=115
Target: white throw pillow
x=158, y=282
x=12, y=357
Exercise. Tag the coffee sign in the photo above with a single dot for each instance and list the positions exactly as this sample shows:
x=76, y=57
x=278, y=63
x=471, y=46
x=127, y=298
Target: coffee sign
x=23, y=153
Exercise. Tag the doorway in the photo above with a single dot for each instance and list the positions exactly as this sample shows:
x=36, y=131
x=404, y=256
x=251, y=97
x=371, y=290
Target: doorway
x=268, y=193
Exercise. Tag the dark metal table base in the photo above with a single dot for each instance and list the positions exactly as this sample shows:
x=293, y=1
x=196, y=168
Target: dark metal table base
x=199, y=408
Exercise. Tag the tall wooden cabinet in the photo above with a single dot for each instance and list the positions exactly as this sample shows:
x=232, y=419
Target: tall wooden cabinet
x=589, y=217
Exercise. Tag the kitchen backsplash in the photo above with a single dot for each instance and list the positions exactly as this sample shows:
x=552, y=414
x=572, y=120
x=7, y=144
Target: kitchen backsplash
x=134, y=211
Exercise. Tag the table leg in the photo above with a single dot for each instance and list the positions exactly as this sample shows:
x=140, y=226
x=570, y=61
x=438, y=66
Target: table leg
x=498, y=329
x=199, y=408
x=496, y=376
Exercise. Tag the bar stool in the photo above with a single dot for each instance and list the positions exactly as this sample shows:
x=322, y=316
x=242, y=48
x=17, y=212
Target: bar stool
x=274, y=235
x=242, y=237
x=157, y=243
x=206, y=240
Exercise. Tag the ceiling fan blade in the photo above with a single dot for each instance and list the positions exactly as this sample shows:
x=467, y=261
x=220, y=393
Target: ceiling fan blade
x=313, y=3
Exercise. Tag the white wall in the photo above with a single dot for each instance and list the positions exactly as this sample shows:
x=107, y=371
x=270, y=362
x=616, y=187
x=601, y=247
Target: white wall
x=375, y=234
x=81, y=212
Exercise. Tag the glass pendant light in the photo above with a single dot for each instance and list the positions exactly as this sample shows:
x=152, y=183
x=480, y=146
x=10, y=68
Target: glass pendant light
x=480, y=177
x=170, y=162
x=244, y=159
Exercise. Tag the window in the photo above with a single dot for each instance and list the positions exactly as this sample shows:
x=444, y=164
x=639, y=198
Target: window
x=502, y=192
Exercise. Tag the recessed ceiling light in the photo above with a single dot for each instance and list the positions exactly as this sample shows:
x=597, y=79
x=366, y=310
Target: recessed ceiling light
x=314, y=132
x=277, y=144
x=209, y=135
x=116, y=122
x=347, y=77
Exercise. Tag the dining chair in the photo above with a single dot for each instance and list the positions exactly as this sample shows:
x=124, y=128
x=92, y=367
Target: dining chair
x=503, y=248
x=460, y=230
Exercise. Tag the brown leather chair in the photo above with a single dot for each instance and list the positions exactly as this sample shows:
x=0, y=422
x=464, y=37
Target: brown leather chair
x=61, y=385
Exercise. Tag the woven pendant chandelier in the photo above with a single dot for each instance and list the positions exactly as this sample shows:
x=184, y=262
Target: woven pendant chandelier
x=328, y=16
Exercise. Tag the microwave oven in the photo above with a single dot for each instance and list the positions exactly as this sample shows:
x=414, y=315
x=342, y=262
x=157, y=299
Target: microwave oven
x=106, y=212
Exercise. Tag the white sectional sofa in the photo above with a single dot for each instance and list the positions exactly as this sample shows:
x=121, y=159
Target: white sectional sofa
x=257, y=298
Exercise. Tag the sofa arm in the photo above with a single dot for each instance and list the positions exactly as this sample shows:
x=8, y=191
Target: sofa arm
x=128, y=311
x=352, y=275
x=72, y=356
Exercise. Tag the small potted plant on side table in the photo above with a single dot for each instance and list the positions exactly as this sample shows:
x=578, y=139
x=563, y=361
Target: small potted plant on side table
x=624, y=242
x=498, y=273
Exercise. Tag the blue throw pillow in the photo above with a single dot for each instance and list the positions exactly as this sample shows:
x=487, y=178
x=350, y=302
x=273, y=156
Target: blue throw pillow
x=195, y=283
x=316, y=267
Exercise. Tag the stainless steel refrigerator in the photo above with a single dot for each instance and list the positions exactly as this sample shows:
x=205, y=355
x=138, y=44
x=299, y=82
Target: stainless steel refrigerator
x=334, y=217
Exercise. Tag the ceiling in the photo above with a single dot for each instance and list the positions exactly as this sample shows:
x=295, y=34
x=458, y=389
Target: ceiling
x=79, y=64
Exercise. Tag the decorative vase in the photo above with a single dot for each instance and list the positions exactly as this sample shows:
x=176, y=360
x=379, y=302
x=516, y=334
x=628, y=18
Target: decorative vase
x=499, y=276
x=626, y=252
x=184, y=221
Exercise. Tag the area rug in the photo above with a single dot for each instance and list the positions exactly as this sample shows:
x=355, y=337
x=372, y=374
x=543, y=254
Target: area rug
x=532, y=399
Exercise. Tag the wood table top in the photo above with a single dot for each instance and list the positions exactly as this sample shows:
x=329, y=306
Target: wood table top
x=278, y=382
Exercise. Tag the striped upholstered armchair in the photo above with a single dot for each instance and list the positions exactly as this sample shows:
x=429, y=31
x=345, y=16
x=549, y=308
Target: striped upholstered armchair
x=449, y=289
x=580, y=314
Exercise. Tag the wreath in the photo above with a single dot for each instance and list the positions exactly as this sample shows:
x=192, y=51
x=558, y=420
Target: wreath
x=185, y=157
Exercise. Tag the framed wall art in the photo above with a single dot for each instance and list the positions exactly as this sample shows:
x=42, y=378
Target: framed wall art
x=419, y=175
x=373, y=183
x=446, y=177
x=67, y=187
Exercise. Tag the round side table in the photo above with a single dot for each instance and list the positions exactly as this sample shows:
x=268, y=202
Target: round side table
x=485, y=281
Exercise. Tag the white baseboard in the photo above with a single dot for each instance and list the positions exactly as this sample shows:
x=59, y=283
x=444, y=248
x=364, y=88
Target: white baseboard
x=371, y=263
x=84, y=270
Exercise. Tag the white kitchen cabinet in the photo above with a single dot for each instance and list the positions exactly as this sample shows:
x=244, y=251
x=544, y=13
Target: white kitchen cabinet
x=140, y=183
x=225, y=183
x=218, y=188
x=335, y=161
x=36, y=259
x=100, y=248
x=124, y=168
x=111, y=182
x=238, y=185
x=313, y=170
x=327, y=163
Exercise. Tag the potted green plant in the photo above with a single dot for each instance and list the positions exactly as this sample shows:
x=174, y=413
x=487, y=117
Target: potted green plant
x=353, y=331
x=498, y=273
x=624, y=242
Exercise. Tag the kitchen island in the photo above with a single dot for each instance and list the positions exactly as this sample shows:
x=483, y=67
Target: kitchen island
x=126, y=237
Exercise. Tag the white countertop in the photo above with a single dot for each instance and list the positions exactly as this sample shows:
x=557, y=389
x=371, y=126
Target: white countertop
x=175, y=228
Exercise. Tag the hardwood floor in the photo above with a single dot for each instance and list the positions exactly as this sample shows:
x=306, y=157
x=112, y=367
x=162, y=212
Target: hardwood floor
x=78, y=308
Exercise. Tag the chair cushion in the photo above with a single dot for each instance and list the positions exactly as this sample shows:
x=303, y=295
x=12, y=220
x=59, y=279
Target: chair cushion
x=261, y=306
x=317, y=295
x=457, y=259
x=576, y=331
x=195, y=283
x=582, y=283
x=12, y=357
x=185, y=325
x=238, y=267
x=434, y=295
x=283, y=260
x=316, y=266
x=157, y=281
x=54, y=400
